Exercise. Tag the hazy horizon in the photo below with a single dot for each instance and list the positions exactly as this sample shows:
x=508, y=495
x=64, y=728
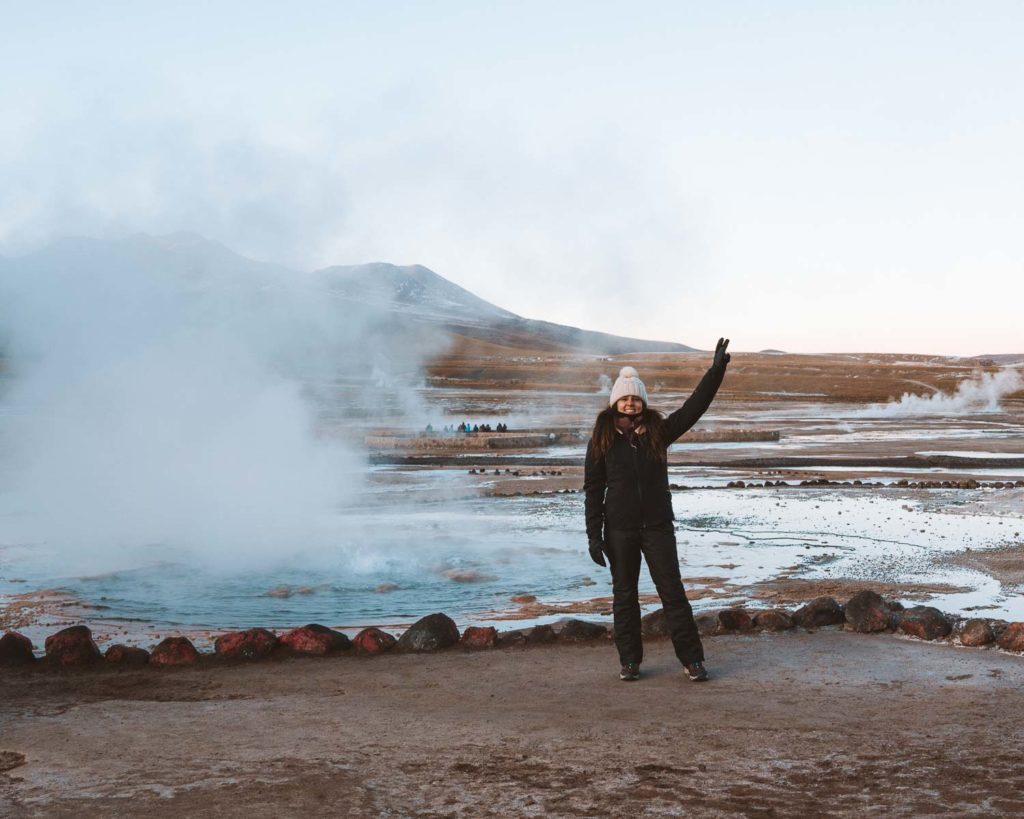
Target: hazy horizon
x=25, y=252
x=801, y=177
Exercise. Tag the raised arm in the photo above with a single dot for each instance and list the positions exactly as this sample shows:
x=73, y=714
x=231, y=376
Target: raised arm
x=698, y=402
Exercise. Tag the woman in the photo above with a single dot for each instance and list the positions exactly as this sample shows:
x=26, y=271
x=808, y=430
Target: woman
x=629, y=510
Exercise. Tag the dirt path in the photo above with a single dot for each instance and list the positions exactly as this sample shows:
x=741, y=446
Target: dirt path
x=792, y=725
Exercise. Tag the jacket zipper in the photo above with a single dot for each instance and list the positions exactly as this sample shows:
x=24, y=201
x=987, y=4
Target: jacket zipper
x=639, y=486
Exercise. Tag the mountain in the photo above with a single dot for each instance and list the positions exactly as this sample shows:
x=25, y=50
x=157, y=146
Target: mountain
x=1002, y=359
x=421, y=295
x=404, y=304
x=412, y=290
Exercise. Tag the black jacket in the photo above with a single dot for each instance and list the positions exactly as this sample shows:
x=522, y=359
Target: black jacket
x=626, y=489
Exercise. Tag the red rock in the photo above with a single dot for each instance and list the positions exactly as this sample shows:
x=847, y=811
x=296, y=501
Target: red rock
x=480, y=637
x=373, y=641
x=1012, y=638
x=821, y=611
x=315, y=639
x=429, y=634
x=72, y=646
x=925, y=622
x=16, y=649
x=773, y=620
x=735, y=620
x=867, y=612
x=976, y=633
x=126, y=655
x=251, y=644
x=174, y=651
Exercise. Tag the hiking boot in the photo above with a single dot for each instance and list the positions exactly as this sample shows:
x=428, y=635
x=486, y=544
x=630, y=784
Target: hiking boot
x=696, y=671
x=630, y=672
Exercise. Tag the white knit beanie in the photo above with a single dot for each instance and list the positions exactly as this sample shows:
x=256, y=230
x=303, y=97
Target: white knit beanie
x=628, y=383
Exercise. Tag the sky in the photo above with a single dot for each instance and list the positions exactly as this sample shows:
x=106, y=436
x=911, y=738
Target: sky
x=806, y=176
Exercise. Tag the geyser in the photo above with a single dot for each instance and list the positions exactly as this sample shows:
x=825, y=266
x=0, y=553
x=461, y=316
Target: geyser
x=159, y=404
x=981, y=393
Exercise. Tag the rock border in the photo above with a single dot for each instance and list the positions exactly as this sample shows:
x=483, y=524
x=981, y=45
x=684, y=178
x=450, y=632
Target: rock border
x=866, y=612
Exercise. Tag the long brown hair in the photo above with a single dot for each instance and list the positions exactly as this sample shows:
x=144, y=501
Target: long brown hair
x=653, y=438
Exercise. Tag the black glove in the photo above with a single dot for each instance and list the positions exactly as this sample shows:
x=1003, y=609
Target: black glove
x=721, y=356
x=597, y=552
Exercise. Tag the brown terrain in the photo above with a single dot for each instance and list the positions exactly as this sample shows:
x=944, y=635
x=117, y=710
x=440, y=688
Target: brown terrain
x=796, y=724
x=757, y=377
x=791, y=725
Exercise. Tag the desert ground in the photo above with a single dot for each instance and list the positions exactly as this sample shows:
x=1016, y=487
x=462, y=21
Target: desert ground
x=822, y=724
x=829, y=723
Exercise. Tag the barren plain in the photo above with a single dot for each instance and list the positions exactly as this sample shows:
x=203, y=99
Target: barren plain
x=918, y=496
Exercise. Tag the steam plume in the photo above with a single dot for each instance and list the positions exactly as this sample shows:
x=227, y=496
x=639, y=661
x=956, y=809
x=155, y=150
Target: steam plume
x=981, y=393
x=160, y=404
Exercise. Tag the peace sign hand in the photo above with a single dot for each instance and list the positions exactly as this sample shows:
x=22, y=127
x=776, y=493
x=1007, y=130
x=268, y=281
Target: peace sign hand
x=721, y=356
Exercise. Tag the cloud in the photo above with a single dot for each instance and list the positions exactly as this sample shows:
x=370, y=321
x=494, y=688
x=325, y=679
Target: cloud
x=107, y=172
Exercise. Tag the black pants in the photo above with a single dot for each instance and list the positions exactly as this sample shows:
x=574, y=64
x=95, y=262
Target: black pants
x=658, y=546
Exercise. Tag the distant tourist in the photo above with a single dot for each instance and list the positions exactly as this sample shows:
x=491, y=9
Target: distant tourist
x=629, y=510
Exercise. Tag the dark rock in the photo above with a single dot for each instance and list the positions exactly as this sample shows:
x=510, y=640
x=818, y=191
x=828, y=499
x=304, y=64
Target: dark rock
x=867, y=612
x=580, y=631
x=314, y=639
x=654, y=624
x=251, y=644
x=16, y=649
x=821, y=611
x=126, y=655
x=480, y=637
x=515, y=637
x=925, y=622
x=72, y=646
x=373, y=641
x=976, y=633
x=735, y=620
x=429, y=634
x=541, y=634
x=1012, y=638
x=174, y=651
x=773, y=620
x=707, y=623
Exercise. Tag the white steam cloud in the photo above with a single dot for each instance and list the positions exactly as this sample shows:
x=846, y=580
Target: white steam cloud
x=159, y=402
x=981, y=393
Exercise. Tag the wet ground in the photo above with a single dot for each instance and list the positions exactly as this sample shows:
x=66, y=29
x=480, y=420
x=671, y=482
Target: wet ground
x=465, y=534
